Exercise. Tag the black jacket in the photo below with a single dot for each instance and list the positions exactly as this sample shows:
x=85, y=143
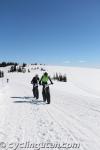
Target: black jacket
x=35, y=80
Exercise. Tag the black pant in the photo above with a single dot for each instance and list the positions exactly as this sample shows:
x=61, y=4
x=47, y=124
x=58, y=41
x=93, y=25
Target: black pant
x=36, y=92
x=46, y=94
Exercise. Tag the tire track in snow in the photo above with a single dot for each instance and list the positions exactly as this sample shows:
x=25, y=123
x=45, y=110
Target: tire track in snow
x=75, y=118
x=83, y=103
x=73, y=127
x=86, y=89
x=72, y=138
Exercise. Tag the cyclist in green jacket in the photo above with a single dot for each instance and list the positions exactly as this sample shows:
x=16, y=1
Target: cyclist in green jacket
x=45, y=91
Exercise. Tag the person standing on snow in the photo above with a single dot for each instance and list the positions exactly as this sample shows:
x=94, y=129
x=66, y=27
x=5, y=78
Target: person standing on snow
x=7, y=80
x=35, y=90
x=45, y=90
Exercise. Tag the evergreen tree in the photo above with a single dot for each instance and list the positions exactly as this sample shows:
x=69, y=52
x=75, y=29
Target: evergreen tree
x=1, y=74
x=24, y=65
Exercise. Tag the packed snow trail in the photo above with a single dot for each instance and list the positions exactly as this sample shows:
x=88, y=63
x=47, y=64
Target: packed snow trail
x=71, y=117
x=26, y=120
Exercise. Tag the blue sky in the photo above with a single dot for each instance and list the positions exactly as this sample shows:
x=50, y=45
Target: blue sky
x=63, y=32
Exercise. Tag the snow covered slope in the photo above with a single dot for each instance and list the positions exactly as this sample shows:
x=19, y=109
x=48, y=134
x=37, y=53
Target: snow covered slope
x=73, y=117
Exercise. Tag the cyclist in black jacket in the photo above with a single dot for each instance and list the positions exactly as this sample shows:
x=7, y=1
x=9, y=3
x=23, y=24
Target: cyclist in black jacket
x=35, y=90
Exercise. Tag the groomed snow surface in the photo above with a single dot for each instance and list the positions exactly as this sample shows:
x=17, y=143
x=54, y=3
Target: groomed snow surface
x=71, y=121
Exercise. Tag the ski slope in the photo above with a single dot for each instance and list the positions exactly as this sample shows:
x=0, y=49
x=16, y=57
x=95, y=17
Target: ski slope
x=73, y=117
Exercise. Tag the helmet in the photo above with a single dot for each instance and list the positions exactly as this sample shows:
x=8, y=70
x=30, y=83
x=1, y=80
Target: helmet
x=36, y=75
x=46, y=74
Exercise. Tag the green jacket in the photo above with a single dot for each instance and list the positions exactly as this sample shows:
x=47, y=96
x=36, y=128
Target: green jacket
x=44, y=79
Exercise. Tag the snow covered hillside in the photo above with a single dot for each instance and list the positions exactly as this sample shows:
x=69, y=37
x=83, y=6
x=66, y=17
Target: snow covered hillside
x=71, y=121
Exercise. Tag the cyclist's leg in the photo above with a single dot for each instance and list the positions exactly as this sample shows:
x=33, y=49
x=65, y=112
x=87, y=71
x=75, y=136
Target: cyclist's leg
x=43, y=94
x=34, y=91
x=37, y=92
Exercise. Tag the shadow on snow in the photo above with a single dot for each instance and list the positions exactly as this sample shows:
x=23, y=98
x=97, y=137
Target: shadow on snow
x=23, y=97
x=30, y=100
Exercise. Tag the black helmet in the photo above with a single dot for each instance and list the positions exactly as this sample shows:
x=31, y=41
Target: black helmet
x=36, y=76
x=46, y=74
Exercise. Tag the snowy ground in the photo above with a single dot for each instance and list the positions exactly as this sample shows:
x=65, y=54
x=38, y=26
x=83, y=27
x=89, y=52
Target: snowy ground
x=73, y=117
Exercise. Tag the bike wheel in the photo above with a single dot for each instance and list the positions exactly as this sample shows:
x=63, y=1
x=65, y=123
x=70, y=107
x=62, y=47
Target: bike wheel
x=44, y=94
x=48, y=95
x=36, y=92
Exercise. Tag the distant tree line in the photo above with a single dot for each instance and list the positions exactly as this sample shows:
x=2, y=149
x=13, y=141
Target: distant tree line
x=60, y=77
x=16, y=68
x=35, y=64
x=1, y=74
x=5, y=64
x=24, y=65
